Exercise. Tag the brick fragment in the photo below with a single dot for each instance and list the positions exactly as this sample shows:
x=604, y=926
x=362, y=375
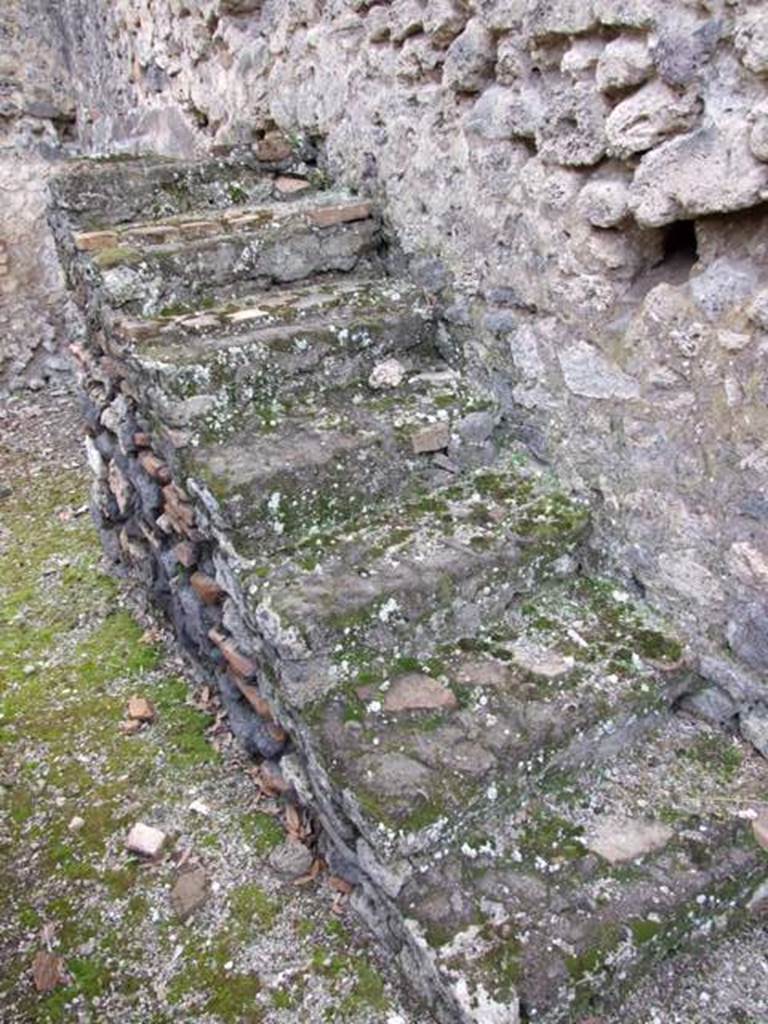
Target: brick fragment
x=206, y=588
x=238, y=662
x=92, y=241
x=254, y=698
x=289, y=186
x=185, y=553
x=327, y=216
x=154, y=467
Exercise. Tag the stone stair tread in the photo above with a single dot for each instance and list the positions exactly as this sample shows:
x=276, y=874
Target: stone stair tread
x=318, y=210
x=146, y=269
x=571, y=892
x=421, y=570
x=184, y=336
x=307, y=463
x=97, y=193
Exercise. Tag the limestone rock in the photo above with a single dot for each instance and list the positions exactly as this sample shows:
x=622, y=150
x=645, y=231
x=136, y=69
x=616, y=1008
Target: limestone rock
x=623, y=63
x=470, y=58
x=758, y=310
x=751, y=40
x=588, y=373
x=604, y=203
x=291, y=859
x=572, y=130
x=145, y=840
x=669, y=184
x=189, y=893
x=432, y=438
x=417, y=692
x=622, y=840
x=559, y=17
x=648, y=117
x=387, y=374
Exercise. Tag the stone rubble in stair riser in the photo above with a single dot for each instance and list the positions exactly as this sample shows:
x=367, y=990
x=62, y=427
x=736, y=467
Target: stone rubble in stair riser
x=394, y=607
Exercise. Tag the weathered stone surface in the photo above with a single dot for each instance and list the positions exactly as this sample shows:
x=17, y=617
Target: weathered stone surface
x=604, y=203
x=588, y=373
x=751, y=41
x=146, y=840
x=417, y=692
x=572, y=131
x=620, y=841
x=432, y=438
x=470, y=58
x=648, y=117
x=559, y=17
x=623, y=63
x=189, y=893
x=669, y=184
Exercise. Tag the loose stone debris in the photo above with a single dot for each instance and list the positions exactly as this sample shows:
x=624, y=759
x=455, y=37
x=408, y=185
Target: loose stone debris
x=145, y=840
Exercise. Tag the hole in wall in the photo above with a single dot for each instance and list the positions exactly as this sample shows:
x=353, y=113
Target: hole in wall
x=679, y=244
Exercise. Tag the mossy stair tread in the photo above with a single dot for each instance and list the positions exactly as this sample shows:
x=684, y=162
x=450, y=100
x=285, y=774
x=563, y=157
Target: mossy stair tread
x=191, y=231
x=293, y=467
x=400, y=567
x=101, y=193
x=578, y=888
x=279, y=317
x=554, y=680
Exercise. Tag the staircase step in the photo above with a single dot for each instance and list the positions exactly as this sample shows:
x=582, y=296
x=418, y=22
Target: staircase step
x=311, y=461
x=569, y=893
x=489, y=737
x=204, y=371
x=189, y=262
x=99, y=194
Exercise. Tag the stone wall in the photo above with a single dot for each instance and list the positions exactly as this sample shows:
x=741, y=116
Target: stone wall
x=37, y=119
x=580, y=182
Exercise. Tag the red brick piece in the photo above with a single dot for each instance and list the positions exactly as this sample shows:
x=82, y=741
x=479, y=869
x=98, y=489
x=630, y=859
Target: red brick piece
x=206, y=588
x=185, y=553
x=327, y=216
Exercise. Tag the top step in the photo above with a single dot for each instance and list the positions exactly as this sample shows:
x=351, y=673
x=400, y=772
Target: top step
x=98, y=193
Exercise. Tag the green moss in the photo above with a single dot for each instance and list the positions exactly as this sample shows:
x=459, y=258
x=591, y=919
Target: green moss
x=118, y=256
x=252, y=908
x=551, y=838
x=263, y=831
x=644, y=930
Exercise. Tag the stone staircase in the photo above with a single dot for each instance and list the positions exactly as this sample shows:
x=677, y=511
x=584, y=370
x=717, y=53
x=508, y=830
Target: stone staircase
x=392, y=600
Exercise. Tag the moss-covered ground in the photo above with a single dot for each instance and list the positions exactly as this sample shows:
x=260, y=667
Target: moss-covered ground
x=72, y=653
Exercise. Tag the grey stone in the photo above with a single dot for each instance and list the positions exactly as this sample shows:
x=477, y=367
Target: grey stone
x=470, y=59
x=680, y=55
x=572, y=130
x=711, y=704
x=748, y=635
x=669, y=184
x=758, y=309
x=443, y=21
x=504, y=112
x=648, y=117
x=754, y=729
x=587, y=372
x=291, y=859
x=722, y=285
x=624, y=13
x=604, y=203
x=189, y=892
x=621, y=840
x=623, y=63
x=559, y=17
